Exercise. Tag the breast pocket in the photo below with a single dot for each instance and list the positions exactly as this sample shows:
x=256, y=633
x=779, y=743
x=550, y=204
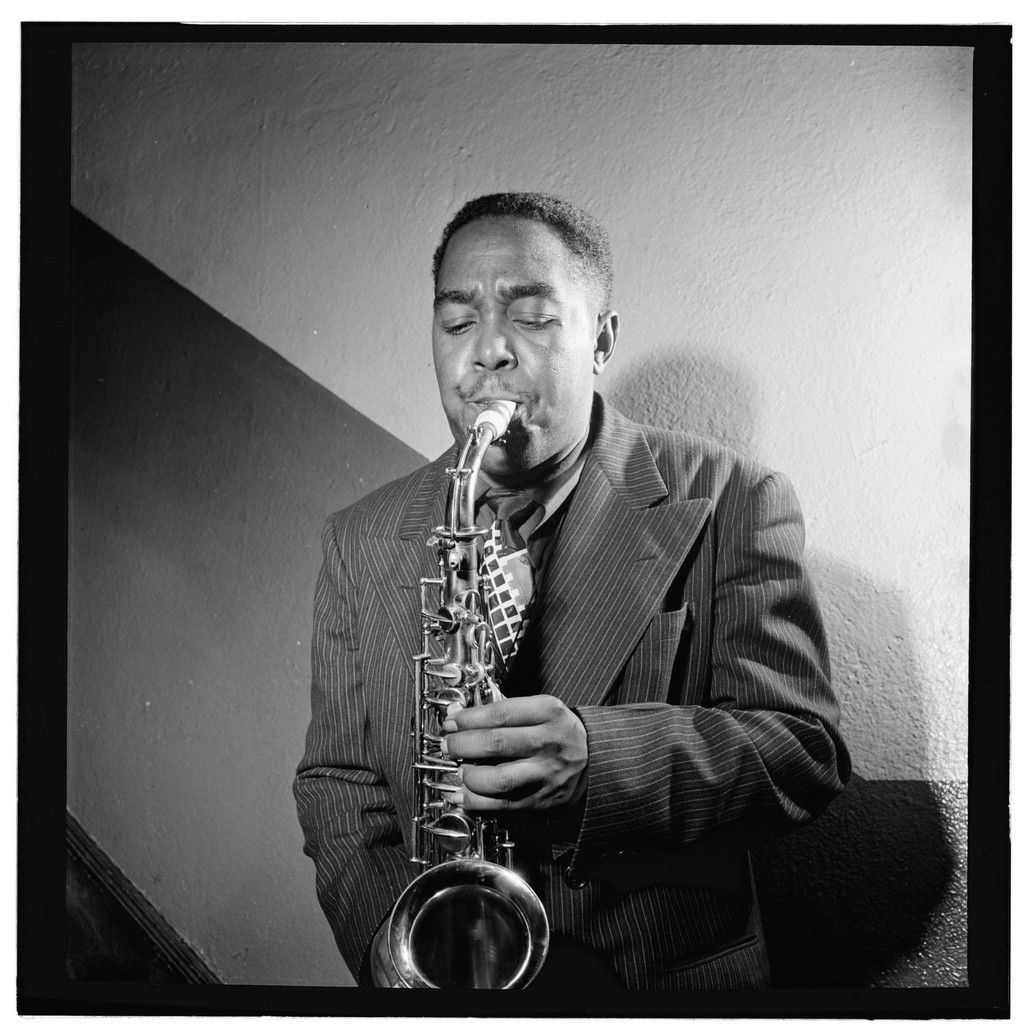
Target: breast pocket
x=657, y=666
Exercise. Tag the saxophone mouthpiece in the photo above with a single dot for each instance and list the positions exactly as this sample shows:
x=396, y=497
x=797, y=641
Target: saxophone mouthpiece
x=498, y=414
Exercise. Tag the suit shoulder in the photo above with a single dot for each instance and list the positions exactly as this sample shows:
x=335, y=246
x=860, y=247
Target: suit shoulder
x=701, y=466
x=381, y=511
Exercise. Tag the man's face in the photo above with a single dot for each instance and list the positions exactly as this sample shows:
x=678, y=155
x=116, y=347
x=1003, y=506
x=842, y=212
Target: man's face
x=514, y=320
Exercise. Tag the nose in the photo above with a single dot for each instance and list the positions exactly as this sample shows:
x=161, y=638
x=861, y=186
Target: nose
x=493, y=348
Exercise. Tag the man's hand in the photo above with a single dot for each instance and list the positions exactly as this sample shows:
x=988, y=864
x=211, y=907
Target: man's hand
x=532, y=754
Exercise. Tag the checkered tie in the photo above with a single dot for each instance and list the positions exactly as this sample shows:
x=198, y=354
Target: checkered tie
x=507, y=562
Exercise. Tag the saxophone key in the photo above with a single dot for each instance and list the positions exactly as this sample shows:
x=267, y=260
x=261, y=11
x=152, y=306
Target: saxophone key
x=452, y=830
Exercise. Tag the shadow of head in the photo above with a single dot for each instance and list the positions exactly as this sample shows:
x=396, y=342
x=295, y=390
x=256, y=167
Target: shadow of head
x=688, y=391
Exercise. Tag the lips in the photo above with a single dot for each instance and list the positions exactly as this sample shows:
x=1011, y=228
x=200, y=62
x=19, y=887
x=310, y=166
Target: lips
x=481, y=403
x=473, y=407
x=486, y=400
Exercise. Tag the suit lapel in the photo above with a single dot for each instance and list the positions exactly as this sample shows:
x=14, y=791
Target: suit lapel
x=399, y=560
x=620, y=548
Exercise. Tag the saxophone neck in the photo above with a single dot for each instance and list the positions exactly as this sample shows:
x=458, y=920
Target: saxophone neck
x=490, y=425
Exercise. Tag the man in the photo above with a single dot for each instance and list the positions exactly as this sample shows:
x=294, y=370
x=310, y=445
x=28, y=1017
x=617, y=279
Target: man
x=667, y=699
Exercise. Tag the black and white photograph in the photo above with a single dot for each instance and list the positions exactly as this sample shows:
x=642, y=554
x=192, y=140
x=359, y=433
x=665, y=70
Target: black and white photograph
x=519, y=519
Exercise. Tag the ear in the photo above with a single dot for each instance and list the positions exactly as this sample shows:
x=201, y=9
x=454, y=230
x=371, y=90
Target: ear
x=604, y=344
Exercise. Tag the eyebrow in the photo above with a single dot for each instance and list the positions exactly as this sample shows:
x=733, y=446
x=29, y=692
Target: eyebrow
x=535, y=289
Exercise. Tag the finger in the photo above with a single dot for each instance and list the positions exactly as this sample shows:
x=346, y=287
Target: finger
x=506, y=780
x=452, y=780
x=507, y=742
x=511, y=785
x=512, y=711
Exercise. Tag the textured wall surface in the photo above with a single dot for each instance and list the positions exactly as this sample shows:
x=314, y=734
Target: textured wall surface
x=792, y=237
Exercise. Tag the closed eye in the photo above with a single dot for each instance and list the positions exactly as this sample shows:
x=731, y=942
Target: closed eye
x=456, y=327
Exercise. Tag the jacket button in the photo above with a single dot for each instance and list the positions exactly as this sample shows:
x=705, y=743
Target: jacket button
x=571, y=882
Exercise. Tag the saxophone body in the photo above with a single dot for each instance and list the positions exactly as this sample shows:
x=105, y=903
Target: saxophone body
x=468, y=920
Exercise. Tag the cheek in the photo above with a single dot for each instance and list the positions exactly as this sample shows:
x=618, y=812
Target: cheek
x=444, y=364
x=567, y=374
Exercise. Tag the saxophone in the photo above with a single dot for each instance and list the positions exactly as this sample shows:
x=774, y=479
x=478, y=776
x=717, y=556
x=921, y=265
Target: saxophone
x=468, y=920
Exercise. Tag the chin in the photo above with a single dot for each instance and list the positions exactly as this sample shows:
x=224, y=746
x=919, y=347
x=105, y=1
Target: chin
x=518, y=448
x=508, y=460
x=499, y=463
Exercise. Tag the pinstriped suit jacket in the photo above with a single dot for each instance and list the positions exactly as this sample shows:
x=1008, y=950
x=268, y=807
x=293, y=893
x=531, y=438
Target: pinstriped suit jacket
x=679, y=623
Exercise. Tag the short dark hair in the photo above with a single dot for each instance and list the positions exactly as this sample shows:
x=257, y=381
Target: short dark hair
x=580, y=232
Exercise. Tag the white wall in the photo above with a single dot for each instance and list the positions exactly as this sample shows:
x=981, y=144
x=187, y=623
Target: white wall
x=792, y=235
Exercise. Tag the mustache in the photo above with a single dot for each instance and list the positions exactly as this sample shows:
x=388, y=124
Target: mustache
x=486, y=387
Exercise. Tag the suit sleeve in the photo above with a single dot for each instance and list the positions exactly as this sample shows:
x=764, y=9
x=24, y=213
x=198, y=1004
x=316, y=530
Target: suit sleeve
x=761, y=754
x=344, y=804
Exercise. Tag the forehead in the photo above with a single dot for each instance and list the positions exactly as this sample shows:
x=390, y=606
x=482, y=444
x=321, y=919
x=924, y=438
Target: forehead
x=506, y=248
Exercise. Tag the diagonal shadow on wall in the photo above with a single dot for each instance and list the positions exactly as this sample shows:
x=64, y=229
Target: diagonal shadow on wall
x=870, y=894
